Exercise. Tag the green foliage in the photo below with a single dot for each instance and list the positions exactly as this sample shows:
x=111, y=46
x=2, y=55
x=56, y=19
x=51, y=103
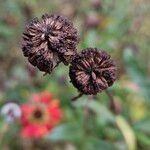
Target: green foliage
x=67, y=132
x=89, y=123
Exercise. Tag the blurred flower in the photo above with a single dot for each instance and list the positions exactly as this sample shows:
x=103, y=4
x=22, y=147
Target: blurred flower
x=93, y=20
x=49, y=41
x=27, y=10
x=96, y=4
x=39, y=117
x=92, y=71
x=11, y=111
x=10, y=19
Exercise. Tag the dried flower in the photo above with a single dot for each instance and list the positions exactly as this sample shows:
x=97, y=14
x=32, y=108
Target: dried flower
x=41, y=116
x=49, y=41
x=92, y=71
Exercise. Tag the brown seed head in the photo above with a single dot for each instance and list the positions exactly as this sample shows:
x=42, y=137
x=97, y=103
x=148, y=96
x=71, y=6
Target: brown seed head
x=92, y=71
x=49, y=41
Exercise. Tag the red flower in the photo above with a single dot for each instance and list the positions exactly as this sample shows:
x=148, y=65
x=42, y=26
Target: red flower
x=39, y=117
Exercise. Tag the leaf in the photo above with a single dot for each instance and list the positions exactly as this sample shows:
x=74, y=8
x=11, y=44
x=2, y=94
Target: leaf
x=127, y=132
x=66, y=132
x=6, y=31
x=144, y=139
x=97, y=144
x=90, y=39
x=143, y=126
x=101, y=111
x=137, y=73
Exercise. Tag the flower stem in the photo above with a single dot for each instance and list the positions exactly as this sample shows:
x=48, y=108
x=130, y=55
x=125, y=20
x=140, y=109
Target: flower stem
x=76, y=97
x=113, y=106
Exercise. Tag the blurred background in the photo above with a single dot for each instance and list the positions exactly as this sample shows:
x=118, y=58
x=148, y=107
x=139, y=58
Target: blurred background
x=120, y=27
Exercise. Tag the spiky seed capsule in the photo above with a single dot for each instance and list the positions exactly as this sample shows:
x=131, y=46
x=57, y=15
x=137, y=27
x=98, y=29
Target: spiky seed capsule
x=92, y=71
x=49, y=41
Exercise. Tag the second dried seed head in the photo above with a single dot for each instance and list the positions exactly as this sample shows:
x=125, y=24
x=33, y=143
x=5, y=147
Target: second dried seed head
x=92, y=71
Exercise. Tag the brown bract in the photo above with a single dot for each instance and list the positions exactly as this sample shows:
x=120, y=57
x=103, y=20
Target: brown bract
x=92, y=71
x=49, y=41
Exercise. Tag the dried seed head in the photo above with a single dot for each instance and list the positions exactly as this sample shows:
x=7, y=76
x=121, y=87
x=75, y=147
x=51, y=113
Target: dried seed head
x=49, y=41
x=92, y=71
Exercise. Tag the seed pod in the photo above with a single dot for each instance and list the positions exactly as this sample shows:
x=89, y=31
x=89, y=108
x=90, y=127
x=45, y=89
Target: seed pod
x=49, y=41
x=92, y=71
